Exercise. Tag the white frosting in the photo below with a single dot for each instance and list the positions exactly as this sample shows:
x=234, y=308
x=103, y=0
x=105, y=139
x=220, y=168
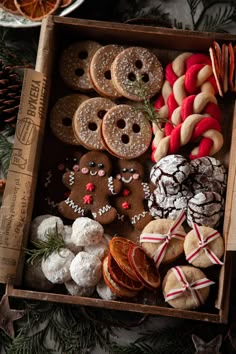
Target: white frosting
x=104, y=291
x=68, y=242
x=42, y=224
x=56, y=267
x=100, y=250
x=86, y=231
x=86, y=269
x=76, y=290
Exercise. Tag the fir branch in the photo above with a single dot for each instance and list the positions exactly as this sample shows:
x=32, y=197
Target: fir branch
x=133, y=348
x=6, y=149
x=54, y=243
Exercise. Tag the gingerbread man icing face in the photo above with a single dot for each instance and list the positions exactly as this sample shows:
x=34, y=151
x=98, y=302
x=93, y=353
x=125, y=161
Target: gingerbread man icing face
x=90, y=188
x=130, y=202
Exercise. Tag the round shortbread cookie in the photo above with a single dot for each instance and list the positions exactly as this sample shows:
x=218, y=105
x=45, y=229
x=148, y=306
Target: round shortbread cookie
x=192, y=243
x=87, y=122
x=100, y=70
x=86, y=269
x=61, y=117
x=74, y=64
x=135, y=66
x=185, y=300
x=175, y=246
x=126, y=132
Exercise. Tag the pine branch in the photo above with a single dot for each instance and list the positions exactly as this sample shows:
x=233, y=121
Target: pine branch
x=54, y=243
x=6, y=149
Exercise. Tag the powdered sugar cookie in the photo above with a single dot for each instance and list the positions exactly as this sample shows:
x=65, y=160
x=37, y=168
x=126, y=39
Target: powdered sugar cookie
x=104, y=291
x=74, y=64
x=56, y=267
x=68, y=241
x=76, y=290
x=33, y=278
x=86, y=269
x=126, y=132
x=87, y=122
x=163, y=240
x=203, y=246
x=61, y=117
x=100, y=70
x=86, y=231
x=186, y=287
x=133, y=64
x=100, y=250
x=42, y=224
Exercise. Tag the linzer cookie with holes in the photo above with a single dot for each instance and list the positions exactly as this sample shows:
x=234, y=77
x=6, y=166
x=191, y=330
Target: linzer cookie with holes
x=136, y=64
x=186, y=287
x=163, y=240
x=203, y=246
x=90, y=189
x=74, y=64
x=61, y=117
x=205, y=208
x=100, y=70
x=87, y=122
x=130, y=203
x=126, y=132
x=207, y=174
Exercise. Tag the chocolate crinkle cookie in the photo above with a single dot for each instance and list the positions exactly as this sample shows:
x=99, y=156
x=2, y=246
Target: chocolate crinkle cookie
x=207, y=174
x=205, y=208
x=169, y=173
x=169, y=206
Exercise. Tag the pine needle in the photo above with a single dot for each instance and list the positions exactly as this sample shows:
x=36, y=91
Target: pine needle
x=54, y=243
x=5, y=153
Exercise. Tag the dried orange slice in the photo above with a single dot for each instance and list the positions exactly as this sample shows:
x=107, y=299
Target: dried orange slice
x=65, y=3
x=231, y=67
x=120, y=277
x=144, y=267
x=119, y=248
x=36, y=10
x=115, y=288
x=9, y=6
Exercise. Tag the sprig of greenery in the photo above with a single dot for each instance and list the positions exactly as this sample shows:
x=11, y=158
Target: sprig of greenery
x=6, y=149
x=44, y=248
x=146, y=106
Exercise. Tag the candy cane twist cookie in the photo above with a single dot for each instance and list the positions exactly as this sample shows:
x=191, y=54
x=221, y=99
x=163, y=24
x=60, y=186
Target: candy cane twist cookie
x=74, y=64
x=126, y=132
x=186, y=287
x=137, y=63
x=61, y=117
x=87, y=122
x=100, y=70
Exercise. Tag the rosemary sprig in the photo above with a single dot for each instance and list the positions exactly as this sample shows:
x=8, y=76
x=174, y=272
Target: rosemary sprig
x=147, y=106
x=53, y=243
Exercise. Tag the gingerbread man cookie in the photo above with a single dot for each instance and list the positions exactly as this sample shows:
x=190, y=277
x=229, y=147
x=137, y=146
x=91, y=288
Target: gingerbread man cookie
x=90, y=188
x=130, y=202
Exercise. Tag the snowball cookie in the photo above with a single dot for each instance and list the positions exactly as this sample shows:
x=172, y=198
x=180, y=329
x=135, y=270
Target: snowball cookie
x=100, y=250
x=86, y=231
x=185, y=300
x=104, y=291
x=196, y=250
x=174, y=247
x=67, y=239
x=35, y=279
x=42, y=224
x=76, y=290
x=86, y=269
x=56, y=267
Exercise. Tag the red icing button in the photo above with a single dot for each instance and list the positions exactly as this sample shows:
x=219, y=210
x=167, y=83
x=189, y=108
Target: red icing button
x=87, y=199
x=125, y=192
x=125, y=205
x=90, y=187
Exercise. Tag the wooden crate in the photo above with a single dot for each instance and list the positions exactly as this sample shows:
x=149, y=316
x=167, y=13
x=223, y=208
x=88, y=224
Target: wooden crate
x=18, y=203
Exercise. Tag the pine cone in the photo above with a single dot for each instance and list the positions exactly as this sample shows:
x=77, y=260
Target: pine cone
x=10, y=92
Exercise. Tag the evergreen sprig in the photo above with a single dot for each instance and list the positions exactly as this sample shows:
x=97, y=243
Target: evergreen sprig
x=6, y=149
x=44, y=248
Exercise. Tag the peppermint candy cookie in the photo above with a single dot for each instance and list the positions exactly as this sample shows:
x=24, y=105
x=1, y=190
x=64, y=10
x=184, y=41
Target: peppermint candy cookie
x=135, y=66
x=87, y=122
x=126, y=132
x=100, y=70
x=61, y=117
x=74, y=64
x=186, y=287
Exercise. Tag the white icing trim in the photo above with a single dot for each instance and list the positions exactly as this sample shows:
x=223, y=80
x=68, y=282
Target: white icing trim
x=111, y=185
x=146, y=189
x=71, y=178
x=48, y=178
x=136, y=218
x=76, y=208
